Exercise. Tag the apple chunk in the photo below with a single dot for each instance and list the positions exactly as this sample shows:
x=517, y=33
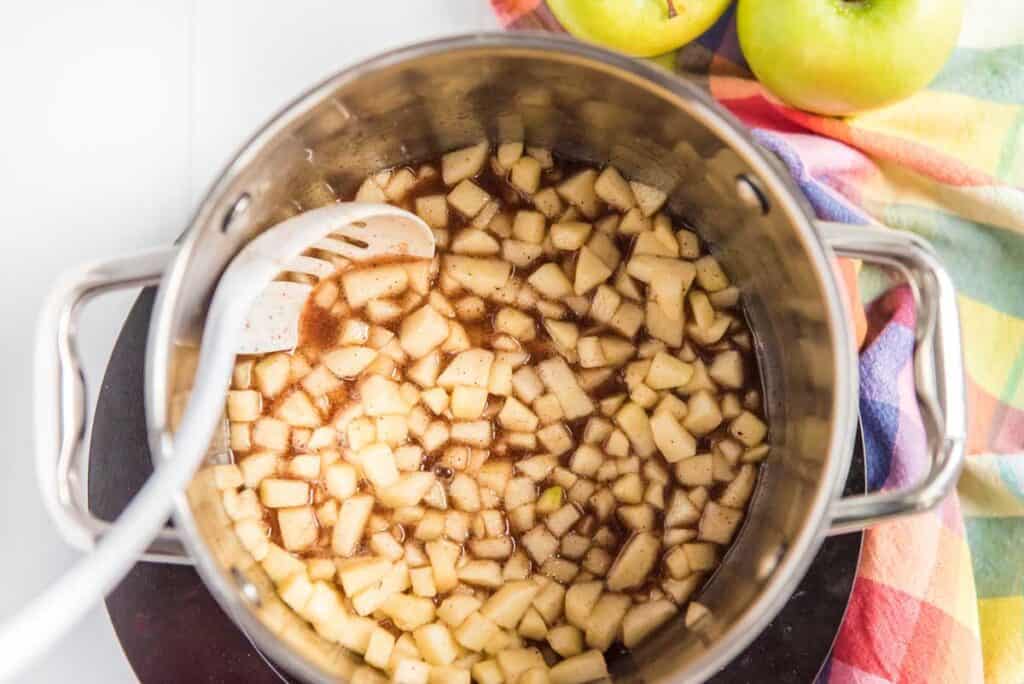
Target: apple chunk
x=559, y=378
x=507, y=606
x=591, y=271
x=464, y=163
x=422, y=331
x=585, y=667
x=471, y=368
x=667, y=372
x=364, y=284
x=481, y=276
x=672, y=439
x=605, y=620
x=635, y=562
x=641, y=620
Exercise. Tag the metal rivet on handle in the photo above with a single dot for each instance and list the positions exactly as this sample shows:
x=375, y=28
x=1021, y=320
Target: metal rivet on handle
x=237, y=210
x=750, y=194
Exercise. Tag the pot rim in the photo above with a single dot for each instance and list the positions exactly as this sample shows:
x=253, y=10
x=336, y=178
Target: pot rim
x=792, y=566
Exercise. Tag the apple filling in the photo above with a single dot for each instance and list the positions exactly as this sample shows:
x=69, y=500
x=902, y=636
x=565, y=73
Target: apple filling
x=496, y=464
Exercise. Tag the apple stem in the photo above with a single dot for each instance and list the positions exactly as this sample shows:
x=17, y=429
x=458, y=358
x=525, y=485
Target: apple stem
x=672, y=9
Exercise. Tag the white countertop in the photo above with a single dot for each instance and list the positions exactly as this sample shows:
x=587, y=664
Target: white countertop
x=116, y=115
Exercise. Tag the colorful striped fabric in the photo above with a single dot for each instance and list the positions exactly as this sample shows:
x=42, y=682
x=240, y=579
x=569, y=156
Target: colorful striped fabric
x=939, y=598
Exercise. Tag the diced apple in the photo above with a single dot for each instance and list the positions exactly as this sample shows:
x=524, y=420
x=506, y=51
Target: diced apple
x=597, y=561
x=509, y=153
x=379, y=648
x=475, y=632
x=519, y=253
x=559, y=378
x=299, y=528
x=667, y=372
x=591, y=271
x=548, y=202
x=244, y=405
x=507, y=606
x=710, y=275
x=378, y=465
x=648, y=198
x=381, y=397
x=529, y=227
x=467, y=403
x=550, y=281
x=748, y=429
x=532, y=626
x=478, y=433
x=515, y=323
x=525, y=175
x=578, y=191
x=702, y=556
x=456, y=608
x=727, y=369
x=408, y=490
x=643, y=619
x=629, y=489
x=703, y=414
x=633, y=421
x=487, y=671
x=471, y=367
x=463, y=163
x=348, y=531
x=276, y=493
x=605, y=620
x=571, y=235
x=695, y=471
x=436, y=644
x=718, y=523
x=271, y=433
x=515, y=415
x=464, y=493
x=481, y=276
x=537, y=467
x=560, y=521
x=627, y=319
x=359, y=574
x=738, y=492
x=580, y=600
x=671, y=438
x=422, y=331
x=492, y=548
x=375, y=282
x=271, y=374
x=614, y=190
x=540, y=544
x=424, y=372
x=515, y=663
x=474, y=242
x=681, y=510
x=408, y=612
x=635, y=562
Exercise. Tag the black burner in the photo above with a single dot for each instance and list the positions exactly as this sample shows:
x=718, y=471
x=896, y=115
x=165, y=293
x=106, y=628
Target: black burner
x=172, y=630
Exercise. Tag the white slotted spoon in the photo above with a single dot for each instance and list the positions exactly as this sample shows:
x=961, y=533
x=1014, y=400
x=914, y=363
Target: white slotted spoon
x=250, y=313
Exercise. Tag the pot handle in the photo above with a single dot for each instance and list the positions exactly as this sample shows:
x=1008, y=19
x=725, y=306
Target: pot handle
x=938, y=371
x=60, y=399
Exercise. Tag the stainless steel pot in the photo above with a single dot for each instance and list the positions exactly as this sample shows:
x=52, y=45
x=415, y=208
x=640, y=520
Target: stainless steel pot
x=415, y=103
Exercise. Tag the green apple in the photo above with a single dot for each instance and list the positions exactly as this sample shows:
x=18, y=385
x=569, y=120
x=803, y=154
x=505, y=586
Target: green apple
x=840, y=57
x=643, y=28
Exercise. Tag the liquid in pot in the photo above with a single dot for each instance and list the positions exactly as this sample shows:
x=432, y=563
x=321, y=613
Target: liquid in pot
x=502, y=462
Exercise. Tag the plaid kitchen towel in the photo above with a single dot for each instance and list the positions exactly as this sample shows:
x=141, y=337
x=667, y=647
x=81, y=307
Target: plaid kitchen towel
x=939, y=598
